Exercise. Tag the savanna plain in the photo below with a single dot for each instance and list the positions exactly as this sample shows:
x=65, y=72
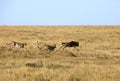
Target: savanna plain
x=98, y=58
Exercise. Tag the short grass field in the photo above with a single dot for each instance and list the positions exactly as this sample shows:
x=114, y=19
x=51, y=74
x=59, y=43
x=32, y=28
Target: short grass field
x=98, y=58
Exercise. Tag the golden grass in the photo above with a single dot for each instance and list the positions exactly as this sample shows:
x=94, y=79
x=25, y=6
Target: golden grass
x=97, y=60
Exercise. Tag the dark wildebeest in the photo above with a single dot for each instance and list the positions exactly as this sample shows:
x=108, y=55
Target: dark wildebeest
x=70, y=44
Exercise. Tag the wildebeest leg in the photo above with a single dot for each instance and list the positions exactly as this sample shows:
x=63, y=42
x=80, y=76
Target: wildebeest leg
x=51, y=52
x=48, y=51
x=76, y=49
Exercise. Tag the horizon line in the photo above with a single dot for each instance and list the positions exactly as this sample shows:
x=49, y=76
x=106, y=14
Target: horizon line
x=59, y=25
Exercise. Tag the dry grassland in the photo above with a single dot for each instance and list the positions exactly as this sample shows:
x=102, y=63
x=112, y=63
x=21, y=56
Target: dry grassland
x=98, y=58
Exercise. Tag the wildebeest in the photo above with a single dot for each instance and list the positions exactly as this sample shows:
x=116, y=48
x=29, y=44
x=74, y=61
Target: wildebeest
x=70, y=44
x=45, y=46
